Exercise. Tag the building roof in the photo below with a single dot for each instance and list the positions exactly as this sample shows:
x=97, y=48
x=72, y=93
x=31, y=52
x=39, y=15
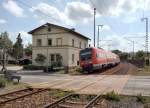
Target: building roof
x=61, y=27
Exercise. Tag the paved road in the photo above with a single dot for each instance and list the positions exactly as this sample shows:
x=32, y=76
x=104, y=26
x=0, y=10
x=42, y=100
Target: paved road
x=12, y=67
x=90, y=84
x=137, y=85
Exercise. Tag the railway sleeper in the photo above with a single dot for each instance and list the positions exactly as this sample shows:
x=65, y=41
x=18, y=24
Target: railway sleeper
x=64, y=106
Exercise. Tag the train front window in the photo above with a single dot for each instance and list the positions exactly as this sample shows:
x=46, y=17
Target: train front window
x=86, y=54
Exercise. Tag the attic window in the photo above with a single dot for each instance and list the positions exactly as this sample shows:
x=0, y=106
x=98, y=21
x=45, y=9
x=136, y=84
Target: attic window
x=48, y=27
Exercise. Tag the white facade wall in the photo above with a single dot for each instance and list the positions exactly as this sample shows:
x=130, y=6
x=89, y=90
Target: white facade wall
x=66, y=50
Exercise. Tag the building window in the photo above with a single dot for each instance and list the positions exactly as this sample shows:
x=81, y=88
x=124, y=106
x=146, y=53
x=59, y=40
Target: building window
x=49, y=42
x=59, y=41
x=52, y=57
x=80, y=45
x=39, y=42
x=84, y=45
x=73, y=42
x=57, y=57
x=72, y=58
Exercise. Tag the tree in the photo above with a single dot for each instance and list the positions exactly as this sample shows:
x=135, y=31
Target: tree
x=18, y=48
x=6, y=48
x=140, y=55
x=118, y=52
x=5, y=42
x=40, y=59
x=28, y=50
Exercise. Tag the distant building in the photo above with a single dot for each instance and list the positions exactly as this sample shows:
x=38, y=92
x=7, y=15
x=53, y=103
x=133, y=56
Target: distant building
x=57, y=42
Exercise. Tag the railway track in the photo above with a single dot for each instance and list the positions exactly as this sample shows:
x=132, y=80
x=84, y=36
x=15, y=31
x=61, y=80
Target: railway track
x=121, y=69
x=33, y=98
x=71, y=101
x=95, y=102
x=25, y=98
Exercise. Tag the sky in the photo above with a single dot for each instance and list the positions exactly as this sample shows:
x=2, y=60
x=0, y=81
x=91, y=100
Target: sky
x=121, y=19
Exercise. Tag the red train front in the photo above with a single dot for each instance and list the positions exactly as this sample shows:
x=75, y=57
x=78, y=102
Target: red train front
x=94, y=59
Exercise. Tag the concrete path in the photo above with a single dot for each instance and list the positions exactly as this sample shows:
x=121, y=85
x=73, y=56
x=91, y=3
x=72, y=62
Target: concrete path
x=85, y=84
x=12, y=67
x=91, y=84
x=137, y=85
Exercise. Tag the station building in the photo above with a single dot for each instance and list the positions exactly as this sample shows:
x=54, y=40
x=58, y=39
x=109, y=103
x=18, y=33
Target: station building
x=57, y=43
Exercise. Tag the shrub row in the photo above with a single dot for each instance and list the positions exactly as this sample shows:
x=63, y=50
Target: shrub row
x=2, y=81
x=44, y=68
x=33, y=67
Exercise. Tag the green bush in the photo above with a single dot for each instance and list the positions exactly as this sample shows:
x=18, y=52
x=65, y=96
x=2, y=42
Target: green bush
x=140, y=98
x=59, y=93
x=2, y=82
x=33, y=67
x=113, y=96
x=79, y=69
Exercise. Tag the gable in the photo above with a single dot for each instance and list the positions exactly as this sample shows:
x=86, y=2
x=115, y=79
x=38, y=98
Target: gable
x=55, y=29
x=44, y=30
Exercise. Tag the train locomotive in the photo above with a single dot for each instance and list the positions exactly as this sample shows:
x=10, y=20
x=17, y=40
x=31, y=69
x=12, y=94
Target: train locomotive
x=96, y=58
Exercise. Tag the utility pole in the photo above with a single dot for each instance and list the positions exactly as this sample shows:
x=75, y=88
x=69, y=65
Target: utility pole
x=146, y=40
x=133, y=48
x=94, y=25
x=132, y=45
x=98, y=35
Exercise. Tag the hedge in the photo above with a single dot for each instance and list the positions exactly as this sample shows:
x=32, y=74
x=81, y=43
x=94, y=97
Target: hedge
x=33, y=67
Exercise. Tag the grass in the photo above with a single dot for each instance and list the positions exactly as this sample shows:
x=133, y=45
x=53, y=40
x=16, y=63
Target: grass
x=76, y=71
x=112, y=96
x=59, y=93
x=9, y=86
x=3, y=82
x=139, y=71
x=140, y=98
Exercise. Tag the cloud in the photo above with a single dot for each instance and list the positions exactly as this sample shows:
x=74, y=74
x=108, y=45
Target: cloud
x=117, y=7
x=119, y=42
x=144, y=5
x=106, y=7
x=47, y=13
x=3, y=21
x=79, y=11
x=13, y=8
x=26, y=37
x=116, y=42
x=74, y=12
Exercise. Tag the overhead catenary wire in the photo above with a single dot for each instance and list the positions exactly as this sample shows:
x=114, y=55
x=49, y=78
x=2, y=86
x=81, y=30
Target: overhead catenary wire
x=113, y=28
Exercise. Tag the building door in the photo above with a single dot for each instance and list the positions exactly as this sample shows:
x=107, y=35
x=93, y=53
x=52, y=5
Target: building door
x=56, y=59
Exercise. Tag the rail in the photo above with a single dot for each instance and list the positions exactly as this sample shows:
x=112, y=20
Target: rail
x=92, y=102
x=54, y=104
x=64, y=101
x=22, y=93
x=116, y=70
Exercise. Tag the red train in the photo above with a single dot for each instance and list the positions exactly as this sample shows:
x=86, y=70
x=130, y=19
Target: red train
x=95, y=59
